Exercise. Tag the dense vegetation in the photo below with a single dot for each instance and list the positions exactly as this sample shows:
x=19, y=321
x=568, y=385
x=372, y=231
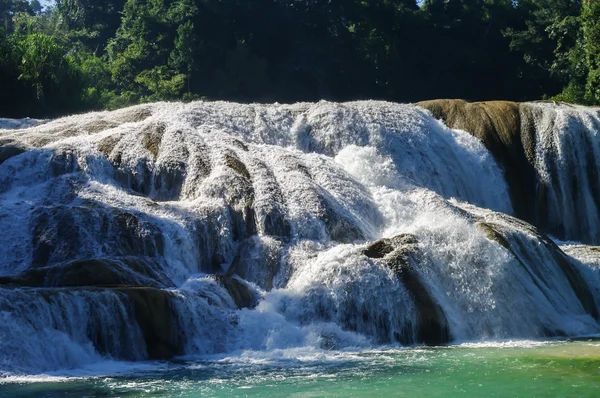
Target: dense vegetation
x=77, y=55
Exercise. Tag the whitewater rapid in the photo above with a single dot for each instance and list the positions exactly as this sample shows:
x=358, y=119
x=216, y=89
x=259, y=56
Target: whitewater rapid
x=249, y=228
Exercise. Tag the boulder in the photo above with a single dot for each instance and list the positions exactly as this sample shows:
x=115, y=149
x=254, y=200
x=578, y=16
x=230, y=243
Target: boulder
x=10, y=148
x=401, y=253
x=156, y=318
x=241, y=294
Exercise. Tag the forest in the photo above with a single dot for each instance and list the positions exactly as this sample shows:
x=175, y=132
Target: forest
x=71, y=56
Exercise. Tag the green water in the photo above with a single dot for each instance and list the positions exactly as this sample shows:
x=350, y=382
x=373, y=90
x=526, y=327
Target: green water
x=525, y=369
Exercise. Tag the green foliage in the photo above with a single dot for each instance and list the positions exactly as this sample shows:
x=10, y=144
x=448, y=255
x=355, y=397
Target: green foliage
x=160, y=83
x=88, y=54
x=40, y=60
x=590, y=19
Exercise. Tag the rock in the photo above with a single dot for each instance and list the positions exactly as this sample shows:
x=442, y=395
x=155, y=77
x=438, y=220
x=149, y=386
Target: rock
x=133, y=235
x=240, y=293
x=275, y=224
x=239, y=195
x=55, y=235
x=584, y=253
x=156, y=318
x=64, y=161
x=510, y=132
x=258, y=261
x=10, y=148
x=217, y=260
x=236, y=164
x=340, y=227
x=98, y=126
x=401, y=254
x=119, y=271
x=494, y=235
x=152, y=137
x=61, y=233
x=168, y=180
x=137, y=314
x=383, y=247
x=108, y=144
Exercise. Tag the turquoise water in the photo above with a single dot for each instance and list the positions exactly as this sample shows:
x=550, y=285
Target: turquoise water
x=524, y=369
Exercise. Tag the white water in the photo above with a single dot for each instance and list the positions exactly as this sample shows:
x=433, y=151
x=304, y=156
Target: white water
x=567, y=162
x=324, y=180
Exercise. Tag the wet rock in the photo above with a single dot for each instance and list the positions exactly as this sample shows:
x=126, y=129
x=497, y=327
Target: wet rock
x=135, y=236
x=10, y=148
x=242, y=295
x=236, y=164
x=55, y=235
x=123, y=271
x=108, y=144
x=547, y=198
x=401, y=253
x=275, y=224
x=383, y=247
x=156, y=318
x=98, y=126
x=168, y=181
x=584, y=253
x=126, y=323
x=238, y=192
x=217, y=260
x=258, y=261
x=63, y=233
x=64, y=161
x=152, y=138
x=493, y=235
x=340, y=227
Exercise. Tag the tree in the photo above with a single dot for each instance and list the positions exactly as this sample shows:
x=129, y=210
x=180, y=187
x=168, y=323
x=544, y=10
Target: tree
x=546, y=39
x=182, y=55
x=90, y=22
x=8, y=8
x=39, y=58
x=590, y=21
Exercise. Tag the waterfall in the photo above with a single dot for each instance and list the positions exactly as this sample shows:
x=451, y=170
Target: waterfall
x=171, y=229
x=567, y=157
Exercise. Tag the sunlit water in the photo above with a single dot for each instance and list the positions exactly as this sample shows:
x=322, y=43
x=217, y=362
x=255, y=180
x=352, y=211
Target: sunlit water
x=525, y=369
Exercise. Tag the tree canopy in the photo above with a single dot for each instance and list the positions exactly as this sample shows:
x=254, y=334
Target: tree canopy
x=77, y=55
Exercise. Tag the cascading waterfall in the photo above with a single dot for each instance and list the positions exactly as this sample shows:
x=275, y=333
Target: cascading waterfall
x=196, y=229
x=566, y=158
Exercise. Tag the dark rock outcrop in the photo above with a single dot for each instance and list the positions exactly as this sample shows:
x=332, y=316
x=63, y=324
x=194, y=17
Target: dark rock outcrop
x=59, y=234
x=401, y=253
x=239, y=292
x=118, y=271
x=155, y=316
x=10, y=148
x=257, y=261
x=142, y=325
